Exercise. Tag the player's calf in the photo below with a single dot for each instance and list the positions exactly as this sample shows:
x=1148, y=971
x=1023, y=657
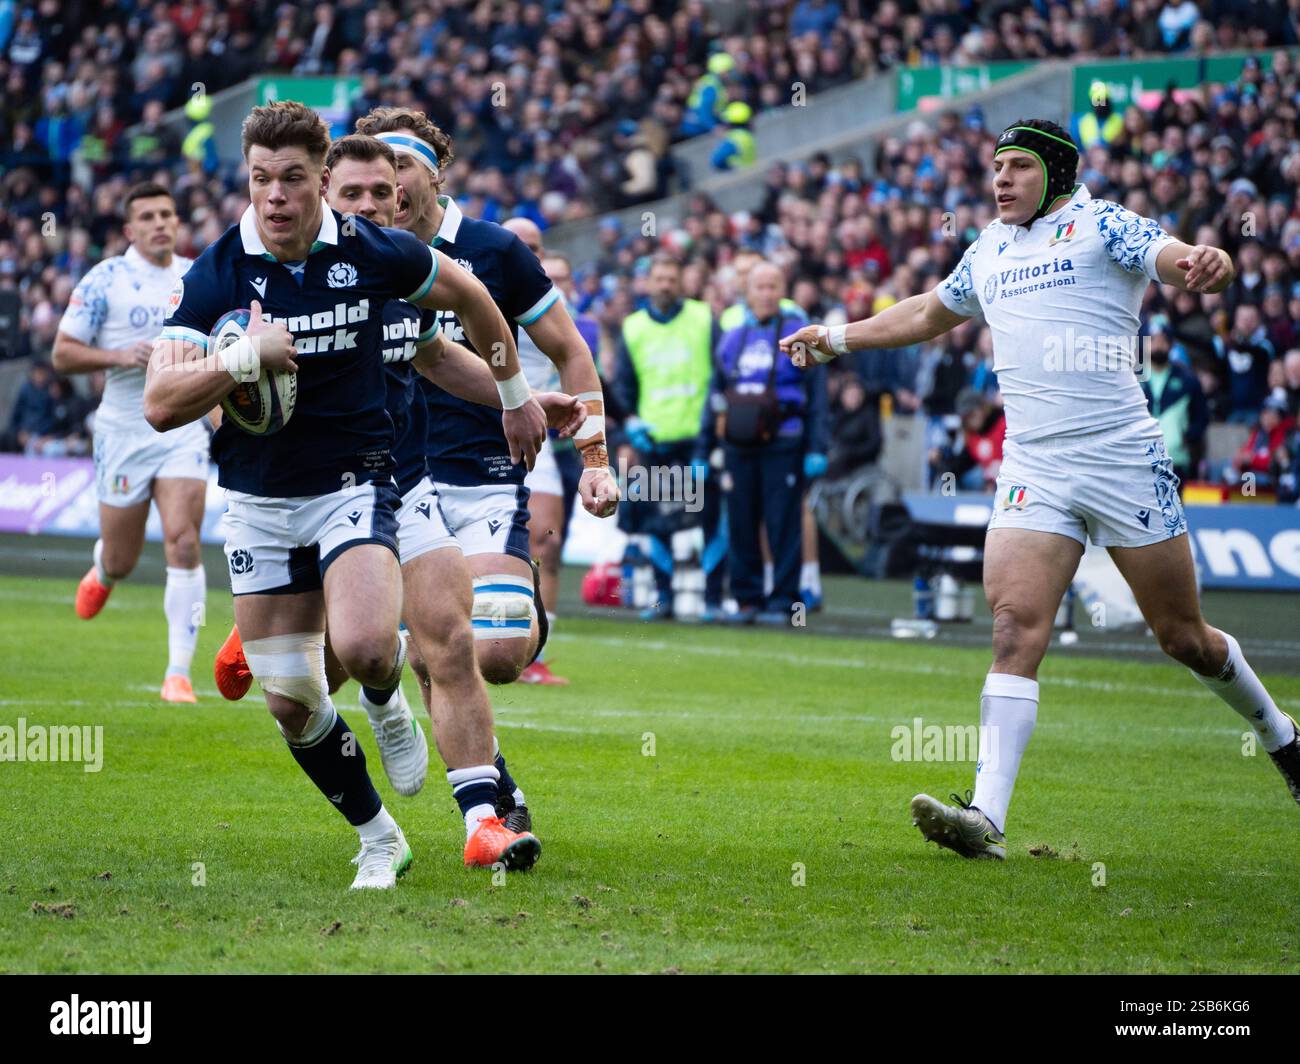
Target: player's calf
x=290, y=670
x=1230, y=676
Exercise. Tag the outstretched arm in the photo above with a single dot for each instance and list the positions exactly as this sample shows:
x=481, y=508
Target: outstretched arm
x=910, y=321
x=1195, y=269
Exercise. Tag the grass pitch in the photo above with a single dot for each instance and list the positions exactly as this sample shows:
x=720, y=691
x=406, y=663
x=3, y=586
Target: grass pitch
x=708, y=800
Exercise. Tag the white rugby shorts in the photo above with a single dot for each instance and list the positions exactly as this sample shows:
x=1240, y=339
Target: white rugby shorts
x=544, y=478
x=1116, y=488
x=127, y=463
x=420, y=525
x=284, y=546
x=487, y=518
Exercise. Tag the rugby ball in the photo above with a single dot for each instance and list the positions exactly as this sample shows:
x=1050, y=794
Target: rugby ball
x=259, y=407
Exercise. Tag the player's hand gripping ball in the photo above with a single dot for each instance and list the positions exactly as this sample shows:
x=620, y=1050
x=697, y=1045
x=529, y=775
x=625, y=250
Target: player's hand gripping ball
x=262, y=406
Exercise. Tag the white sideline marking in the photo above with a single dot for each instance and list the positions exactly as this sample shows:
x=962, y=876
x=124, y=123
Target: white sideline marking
x=69, y=600
x=1191, y=689
x=1074, y=724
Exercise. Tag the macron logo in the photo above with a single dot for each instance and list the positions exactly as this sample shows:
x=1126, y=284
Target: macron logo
x=259, y=286
x=102, y=1017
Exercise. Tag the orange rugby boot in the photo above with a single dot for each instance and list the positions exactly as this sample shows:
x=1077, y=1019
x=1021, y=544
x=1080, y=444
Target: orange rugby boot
x=540, y=673
x=176, y=688
x=230, y=669
x=91, y=595
x=494, y=842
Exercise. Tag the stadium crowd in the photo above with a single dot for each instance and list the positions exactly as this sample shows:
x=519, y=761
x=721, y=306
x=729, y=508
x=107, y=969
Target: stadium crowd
x=596, y=92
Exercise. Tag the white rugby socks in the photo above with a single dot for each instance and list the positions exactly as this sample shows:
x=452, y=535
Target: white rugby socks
x=183, y=606
x=475, y=791
x=1238, y=685
x=1008, y=712
x=381, y=827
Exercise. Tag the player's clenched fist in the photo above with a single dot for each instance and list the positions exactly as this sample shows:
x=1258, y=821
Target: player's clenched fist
x=525, y=431
x=271, y=340
x=808, y=347
x=599, y=491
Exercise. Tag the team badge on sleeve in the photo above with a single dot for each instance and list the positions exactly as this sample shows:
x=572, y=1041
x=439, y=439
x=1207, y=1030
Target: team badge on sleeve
x=174, y=300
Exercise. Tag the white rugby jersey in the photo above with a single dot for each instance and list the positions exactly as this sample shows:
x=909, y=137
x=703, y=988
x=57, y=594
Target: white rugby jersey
x=122, y=300
x=1062, y=299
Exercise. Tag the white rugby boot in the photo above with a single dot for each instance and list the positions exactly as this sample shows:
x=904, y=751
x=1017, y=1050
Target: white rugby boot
x=961, y=828
x=380, y=863
x=403, y=748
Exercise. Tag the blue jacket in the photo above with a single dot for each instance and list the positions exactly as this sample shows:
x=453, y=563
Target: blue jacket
x=744, y=357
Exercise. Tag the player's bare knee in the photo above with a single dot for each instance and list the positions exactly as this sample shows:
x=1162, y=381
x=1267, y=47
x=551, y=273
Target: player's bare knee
x=415, y=659
x=291, y=716
x=181, y=548
x=368, y=657
x=119, y=564
x=1187, y=643
x=1019, y=637
x=502, y=661
x=547, y=552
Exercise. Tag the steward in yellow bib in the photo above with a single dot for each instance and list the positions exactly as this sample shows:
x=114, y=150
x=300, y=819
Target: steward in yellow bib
x=662, y=373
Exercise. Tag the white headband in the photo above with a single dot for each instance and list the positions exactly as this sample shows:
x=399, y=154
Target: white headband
x=409, y=144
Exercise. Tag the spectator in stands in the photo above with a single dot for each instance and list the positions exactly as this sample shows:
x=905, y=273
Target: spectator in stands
x=1285, y=469
x=855, y=425
x=47, y=420
x=815, y=16
x=975, y=464
x=1246, y=356
x=1278, y=326
x=1258, y=454
x=1291, y=381
x=1175, y=399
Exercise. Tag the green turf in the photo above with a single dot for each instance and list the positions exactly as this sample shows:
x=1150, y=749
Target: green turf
x=772, y=753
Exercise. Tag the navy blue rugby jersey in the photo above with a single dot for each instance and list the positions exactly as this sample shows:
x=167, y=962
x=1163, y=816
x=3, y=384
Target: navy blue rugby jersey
x=333, y=303
x=466, y=444
x=406, y=326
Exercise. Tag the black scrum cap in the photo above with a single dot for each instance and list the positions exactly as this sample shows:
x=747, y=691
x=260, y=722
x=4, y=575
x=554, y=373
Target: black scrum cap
x=1058, y=157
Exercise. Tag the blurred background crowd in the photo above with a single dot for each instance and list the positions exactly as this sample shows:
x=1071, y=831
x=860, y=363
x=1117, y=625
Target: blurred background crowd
x=567, y=108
